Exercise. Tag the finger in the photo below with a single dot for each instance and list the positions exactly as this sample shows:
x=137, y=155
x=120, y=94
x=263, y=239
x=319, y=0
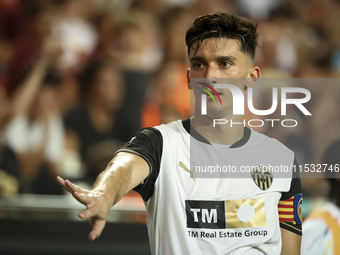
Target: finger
x=61, y=182
x=82, y=198
x=88, y=213
x=74, y=188
x=97, y=228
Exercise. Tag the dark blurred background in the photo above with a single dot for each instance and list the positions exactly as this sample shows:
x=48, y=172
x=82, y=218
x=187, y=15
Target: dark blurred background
x=78, y=78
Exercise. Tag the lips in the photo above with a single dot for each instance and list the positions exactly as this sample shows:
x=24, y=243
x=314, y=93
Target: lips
x=211, y=90
x=213, y=93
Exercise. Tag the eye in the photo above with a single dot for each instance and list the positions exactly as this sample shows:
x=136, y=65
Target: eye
x=226, y=64
x=198, y=65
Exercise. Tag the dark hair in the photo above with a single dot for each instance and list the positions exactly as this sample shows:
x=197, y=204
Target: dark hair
x=223, y=25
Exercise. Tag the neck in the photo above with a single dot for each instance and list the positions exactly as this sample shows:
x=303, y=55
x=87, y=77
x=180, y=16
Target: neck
x=225, y=133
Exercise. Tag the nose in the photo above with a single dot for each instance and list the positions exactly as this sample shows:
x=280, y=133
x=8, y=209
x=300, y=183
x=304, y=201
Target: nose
x=211, y=81
x=212, y=72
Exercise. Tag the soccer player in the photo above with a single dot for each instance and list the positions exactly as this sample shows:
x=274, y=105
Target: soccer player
x=190, y=215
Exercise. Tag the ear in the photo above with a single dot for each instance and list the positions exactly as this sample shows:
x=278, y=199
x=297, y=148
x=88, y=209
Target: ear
x=254, y=76
x=188, y=78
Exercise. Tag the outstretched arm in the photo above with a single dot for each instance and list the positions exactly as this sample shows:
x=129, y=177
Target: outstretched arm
x=124, y=172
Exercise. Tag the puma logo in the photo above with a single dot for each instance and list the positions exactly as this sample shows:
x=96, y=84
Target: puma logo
x=181, y=164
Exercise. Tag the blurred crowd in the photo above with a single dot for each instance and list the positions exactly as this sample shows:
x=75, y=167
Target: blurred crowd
x=78, y=78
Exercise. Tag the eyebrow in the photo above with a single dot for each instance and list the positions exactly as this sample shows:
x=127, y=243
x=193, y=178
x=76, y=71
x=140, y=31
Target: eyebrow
x=226, y=58
x=219, y=58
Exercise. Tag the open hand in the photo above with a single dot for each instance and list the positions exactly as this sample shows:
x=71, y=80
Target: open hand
x=96, y=204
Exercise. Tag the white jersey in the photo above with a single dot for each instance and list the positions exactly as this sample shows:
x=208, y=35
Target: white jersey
x=191, y=215
x=321, y=231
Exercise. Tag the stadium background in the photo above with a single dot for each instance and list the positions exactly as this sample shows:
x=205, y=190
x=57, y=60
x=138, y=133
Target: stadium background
x=79, y=77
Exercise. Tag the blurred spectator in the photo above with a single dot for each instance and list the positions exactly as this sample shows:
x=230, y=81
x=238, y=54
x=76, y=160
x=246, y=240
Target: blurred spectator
x=10, y=177
x=205, y=6
x=321, y=230
x=258, y=10
x=107, y=43
x=6, y=52
x=94, y=128
x=168, y=98
x=9, y=166
x=5, y=109
x=15, y=110
x=138, y=41
x=154, y=7
x=77, y=35
x=36, y=136
x=169, y=94
x=136, y=84
x=30, y=43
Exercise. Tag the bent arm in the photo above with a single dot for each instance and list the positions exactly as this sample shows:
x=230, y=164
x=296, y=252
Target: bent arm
x=24, y=95
x=291, y=243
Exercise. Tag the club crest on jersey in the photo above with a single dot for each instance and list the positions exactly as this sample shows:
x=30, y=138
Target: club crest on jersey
x=262, y=178
x=298, y=201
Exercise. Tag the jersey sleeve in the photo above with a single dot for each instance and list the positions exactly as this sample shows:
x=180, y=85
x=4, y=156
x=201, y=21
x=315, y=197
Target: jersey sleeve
x=148, y=144
x=316, y=238
x=290, y=205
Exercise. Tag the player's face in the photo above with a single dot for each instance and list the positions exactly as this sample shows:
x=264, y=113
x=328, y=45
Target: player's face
x=221, y=58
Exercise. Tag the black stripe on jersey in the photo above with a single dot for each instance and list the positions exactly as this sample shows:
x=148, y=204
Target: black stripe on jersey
x=295, y=188
x=189, y=128
x=148, y=144
x=243, y=140
x=295, y=228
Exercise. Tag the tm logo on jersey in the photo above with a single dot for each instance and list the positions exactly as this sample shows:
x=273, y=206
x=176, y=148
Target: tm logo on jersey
x=241, y=213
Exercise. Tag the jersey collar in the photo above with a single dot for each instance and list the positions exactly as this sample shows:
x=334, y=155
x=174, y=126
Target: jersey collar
x=189, y=128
